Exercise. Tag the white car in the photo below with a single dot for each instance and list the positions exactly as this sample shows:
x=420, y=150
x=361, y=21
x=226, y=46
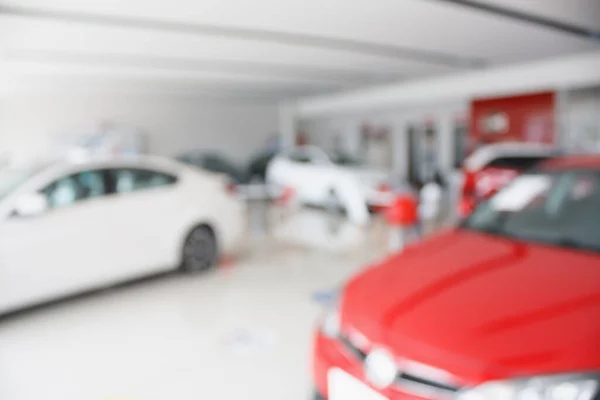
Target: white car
x=71, y=227
x=492, y=166
x=322, y=179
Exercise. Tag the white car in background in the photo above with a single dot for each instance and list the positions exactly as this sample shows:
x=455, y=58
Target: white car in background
x=71, y=227
x=492, y=166
x=324, y=179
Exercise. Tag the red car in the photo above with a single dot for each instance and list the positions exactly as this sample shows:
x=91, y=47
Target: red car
x=504, y=307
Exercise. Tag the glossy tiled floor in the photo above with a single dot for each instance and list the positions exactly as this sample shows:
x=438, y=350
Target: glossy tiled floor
x=240, y=332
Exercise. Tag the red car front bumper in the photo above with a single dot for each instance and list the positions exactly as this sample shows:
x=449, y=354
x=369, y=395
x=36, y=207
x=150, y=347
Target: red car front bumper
x=330, y=353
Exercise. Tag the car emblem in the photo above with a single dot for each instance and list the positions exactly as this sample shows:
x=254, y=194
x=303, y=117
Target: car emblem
x=495, y=123
x=380, y=368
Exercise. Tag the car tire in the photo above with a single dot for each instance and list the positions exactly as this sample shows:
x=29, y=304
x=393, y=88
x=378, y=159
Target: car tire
x=199, y=251
x=317, y=396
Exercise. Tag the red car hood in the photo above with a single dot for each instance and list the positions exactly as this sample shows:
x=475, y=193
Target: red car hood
x=482, y=307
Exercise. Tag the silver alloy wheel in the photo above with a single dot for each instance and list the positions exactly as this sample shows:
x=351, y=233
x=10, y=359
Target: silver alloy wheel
x=199, y=250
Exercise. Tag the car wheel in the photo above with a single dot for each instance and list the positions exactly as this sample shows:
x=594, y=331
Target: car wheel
x=199, y=250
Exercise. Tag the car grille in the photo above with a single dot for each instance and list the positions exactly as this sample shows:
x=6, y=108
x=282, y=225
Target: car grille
x=358, y=353
x=407, y=382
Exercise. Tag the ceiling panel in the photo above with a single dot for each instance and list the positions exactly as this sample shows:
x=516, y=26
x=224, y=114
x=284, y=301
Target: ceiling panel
x=25, y=68
x=23, y=38
x=410, y=24
x=52, y=84
x=325, y=45
x=18, y=33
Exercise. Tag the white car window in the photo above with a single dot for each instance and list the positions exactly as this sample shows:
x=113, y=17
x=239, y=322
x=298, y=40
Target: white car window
x=309, y=155
x=92, y=183
x=63, y=194
x=345, y=159
x=124, y=181
x=76, y=187
x=301, y=157
x=132, y=179
x=319, y=156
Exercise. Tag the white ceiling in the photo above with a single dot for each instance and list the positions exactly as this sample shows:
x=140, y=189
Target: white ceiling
x=273, y=48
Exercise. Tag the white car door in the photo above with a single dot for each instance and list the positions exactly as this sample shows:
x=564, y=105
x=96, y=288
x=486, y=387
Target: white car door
x=289, y=170
x=321, y=176
x=146, y=207
x=299, y=173
x=61, y=251
x=306, y=176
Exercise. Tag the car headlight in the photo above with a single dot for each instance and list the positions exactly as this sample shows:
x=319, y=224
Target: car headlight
x=566, y=387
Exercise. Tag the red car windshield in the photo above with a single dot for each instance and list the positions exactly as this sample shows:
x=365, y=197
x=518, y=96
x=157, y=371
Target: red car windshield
x=560, y=208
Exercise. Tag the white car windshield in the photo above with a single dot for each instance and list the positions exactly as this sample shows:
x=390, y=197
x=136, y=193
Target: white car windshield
x=341, y=158
x=12, y=178
x=559, y=208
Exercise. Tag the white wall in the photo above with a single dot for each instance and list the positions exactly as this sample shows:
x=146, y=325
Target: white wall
x=579, y=116
x=562, y=73
x=29, y=125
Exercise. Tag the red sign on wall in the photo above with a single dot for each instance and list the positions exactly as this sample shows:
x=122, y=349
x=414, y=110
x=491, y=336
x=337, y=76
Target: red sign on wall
x=528, y=118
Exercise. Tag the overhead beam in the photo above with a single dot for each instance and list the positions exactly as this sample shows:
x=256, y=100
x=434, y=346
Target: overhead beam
x=297, y=39
x=562, y=73
x=102, y=85
x=529, y=18
x=349, y=75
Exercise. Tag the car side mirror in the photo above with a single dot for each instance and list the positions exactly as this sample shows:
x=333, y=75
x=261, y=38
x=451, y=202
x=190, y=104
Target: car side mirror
x=31, y=205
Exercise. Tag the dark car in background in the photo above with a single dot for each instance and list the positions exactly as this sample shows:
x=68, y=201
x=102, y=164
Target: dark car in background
x=257, y=167
x=215, y=162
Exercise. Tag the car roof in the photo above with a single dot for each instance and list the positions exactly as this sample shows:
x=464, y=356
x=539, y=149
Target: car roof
x=82, y=161
x=587, y=161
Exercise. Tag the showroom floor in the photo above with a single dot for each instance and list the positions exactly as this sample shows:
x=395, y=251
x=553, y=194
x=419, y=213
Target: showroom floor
x=240, y=332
